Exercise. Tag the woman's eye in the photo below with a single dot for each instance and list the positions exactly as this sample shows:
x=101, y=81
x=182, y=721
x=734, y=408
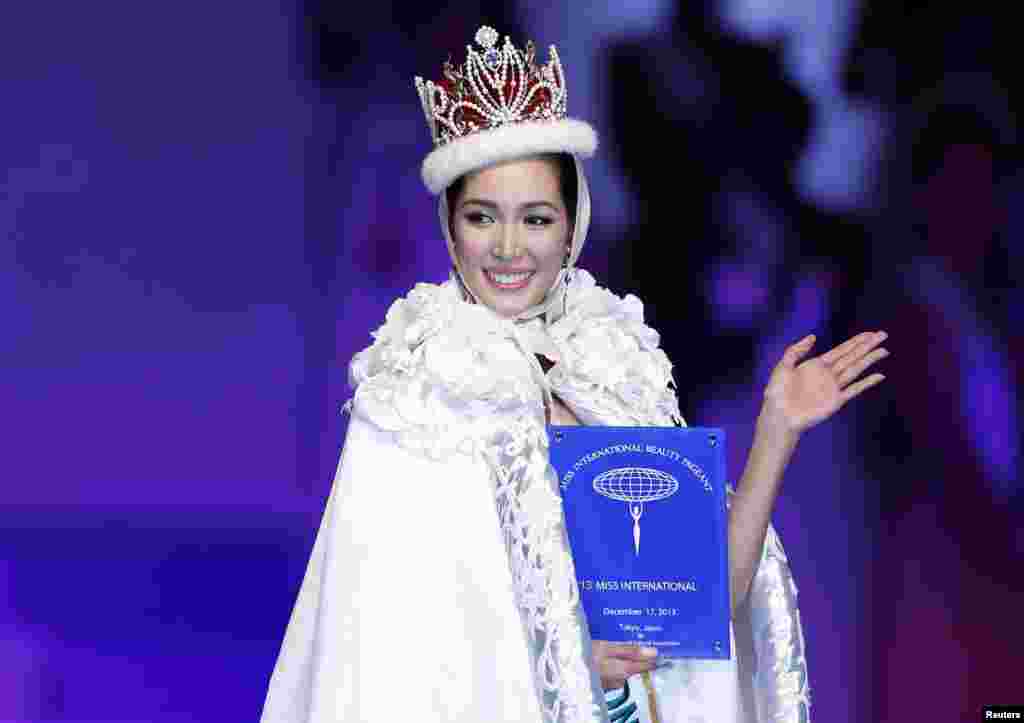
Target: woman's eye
x=538, y=221
x=478, y=218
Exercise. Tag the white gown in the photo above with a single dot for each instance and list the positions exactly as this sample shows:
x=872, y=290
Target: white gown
x=440, y=587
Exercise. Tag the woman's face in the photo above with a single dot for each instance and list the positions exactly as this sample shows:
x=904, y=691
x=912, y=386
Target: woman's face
x=511, y=233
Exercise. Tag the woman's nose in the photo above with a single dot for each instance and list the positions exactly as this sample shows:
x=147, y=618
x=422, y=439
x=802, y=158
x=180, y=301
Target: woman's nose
x=508, y=246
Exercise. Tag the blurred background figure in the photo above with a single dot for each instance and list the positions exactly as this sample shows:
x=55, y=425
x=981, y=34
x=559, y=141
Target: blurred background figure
x=946, y=268
x=205, y=210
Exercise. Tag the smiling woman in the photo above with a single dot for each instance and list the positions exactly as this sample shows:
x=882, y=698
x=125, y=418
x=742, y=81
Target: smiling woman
x=441, y=586
x=512, y=231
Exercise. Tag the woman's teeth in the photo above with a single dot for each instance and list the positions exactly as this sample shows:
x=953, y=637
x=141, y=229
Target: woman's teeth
x=516, y=279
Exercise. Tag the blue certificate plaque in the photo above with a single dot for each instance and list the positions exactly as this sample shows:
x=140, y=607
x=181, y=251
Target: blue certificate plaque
x=646, y=517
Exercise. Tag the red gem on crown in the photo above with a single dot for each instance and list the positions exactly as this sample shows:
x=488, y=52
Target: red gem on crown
x=494, y=87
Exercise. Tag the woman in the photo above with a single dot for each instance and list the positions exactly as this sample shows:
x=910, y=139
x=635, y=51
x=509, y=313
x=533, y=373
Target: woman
x=419, y=602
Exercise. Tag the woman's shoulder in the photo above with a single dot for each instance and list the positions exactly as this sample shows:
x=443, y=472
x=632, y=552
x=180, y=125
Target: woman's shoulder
x=428, y=317
x=611, y=368
x=409, y=321
x=591, y=309
x=439, y=364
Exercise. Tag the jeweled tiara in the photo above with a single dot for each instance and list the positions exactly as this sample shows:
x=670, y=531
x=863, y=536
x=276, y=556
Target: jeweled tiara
x=497, y=105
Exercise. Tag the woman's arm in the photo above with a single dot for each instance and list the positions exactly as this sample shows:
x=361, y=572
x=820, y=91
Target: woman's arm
x=798, y=396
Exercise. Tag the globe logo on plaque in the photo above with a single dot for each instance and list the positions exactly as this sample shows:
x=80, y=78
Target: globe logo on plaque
x=636, y=486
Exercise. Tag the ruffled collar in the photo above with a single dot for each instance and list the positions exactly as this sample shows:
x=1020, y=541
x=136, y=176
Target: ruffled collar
x=607, y=364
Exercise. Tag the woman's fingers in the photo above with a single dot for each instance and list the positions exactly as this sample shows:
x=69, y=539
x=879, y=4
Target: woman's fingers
x=857, y=353
x=623, y=667
x=796, y=352
x=854, y=369
x=616, y=662
x=615, y=671
x=833, y=355
x=864, y=384
x=626, y=651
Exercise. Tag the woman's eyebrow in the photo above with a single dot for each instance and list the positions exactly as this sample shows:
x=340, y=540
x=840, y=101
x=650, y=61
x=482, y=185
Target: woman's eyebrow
x=492, y=204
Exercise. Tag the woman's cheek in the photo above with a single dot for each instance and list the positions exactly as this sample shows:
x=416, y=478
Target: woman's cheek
x=471, y=247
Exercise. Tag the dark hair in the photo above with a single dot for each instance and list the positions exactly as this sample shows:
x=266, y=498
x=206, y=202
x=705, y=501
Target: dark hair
x=566, y=182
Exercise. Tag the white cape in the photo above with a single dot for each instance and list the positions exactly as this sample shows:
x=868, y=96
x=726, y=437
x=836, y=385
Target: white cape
x=440, y=587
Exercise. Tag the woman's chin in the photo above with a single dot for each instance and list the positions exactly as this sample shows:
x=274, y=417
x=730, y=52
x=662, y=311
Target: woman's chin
x=506, y=308
x=507, y=305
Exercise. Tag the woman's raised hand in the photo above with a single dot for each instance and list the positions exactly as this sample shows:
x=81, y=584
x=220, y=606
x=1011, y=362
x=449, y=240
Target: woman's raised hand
x=800, y=394
x=618, y=661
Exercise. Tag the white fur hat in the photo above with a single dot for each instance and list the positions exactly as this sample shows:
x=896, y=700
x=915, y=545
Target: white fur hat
x=483, y=148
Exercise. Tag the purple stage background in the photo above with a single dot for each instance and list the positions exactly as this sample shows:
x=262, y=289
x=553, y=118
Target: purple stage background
x=205, y=208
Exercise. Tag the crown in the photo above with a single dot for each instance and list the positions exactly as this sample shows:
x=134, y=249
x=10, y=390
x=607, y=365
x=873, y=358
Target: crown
x=497, y=105
x=493, y=88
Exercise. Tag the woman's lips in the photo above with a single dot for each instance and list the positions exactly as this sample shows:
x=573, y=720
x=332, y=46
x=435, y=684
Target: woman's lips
x=509, y=281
